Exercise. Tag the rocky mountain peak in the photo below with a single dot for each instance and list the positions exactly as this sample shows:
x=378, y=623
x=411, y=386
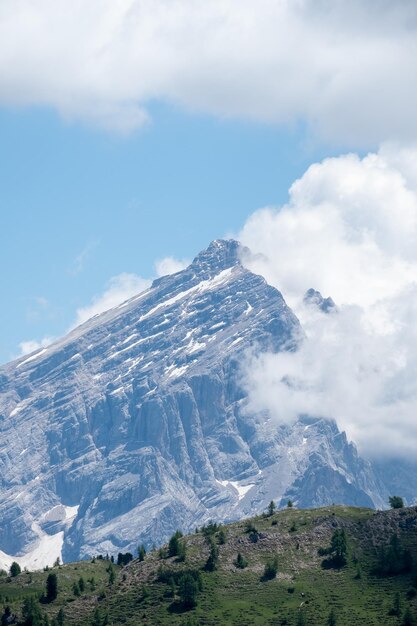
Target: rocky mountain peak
x=220, y=255
x=137, y=423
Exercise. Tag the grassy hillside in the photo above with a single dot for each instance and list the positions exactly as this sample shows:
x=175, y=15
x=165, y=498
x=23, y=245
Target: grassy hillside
x=307, y=586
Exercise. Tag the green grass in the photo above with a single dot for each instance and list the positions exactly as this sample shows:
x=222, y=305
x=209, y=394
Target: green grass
x=239, y=597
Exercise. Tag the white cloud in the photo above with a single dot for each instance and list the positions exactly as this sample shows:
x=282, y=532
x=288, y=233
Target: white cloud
x=349, y=230
x=169, y=265
x=348, y=69
x=124, y=286
x=26, y=347
x=119, y=289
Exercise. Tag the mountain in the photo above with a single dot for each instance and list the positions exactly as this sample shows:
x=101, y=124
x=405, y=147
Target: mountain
x=303, y=585
x=136, y=423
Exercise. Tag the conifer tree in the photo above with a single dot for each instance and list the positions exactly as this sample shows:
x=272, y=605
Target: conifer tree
x=141, y=552
x=271, y=508
x=188, y=589
x=15, y=569
x=51, y=587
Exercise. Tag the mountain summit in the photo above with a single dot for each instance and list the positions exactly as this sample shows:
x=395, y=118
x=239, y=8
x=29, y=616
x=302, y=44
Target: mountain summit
x=136, y=423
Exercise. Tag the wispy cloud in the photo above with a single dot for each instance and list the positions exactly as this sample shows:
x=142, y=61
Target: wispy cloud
x=170, y=265
x=119, y=288
x=80, y=259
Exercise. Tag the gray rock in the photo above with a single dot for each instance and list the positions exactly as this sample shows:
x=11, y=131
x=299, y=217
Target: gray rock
x=314, y=298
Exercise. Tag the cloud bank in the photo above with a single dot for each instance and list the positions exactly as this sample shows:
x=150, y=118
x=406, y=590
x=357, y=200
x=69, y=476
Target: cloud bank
x=349, y=230
x=346, y=69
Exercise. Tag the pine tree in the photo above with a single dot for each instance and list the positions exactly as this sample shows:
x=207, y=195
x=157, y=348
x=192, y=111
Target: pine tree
x=31, y=613
x=51, y=587
x=141, y=552
x=60, y=618
x=81, y=584
x=174, y=544
x=112, y=575
x=408, y=619
x=338, y=547
x=396, y=607
x=15, y=569
x=188, y=589
x=332, y=619
x=211, y=563
x=241, y=562
x=96, y=617
x=271, y=508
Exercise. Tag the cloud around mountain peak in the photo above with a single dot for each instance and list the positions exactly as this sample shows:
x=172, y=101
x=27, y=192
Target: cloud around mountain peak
x=350, y=231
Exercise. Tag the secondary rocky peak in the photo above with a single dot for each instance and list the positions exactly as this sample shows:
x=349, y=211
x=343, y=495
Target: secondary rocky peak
x=314, y=297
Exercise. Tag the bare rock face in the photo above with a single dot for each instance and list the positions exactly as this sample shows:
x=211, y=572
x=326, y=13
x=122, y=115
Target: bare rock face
x=134, y=424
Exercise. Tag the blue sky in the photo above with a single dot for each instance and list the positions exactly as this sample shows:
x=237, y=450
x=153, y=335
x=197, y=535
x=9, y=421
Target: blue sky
x=80, y=205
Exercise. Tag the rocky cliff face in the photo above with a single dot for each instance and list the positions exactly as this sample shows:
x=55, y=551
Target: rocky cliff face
x=135, y=424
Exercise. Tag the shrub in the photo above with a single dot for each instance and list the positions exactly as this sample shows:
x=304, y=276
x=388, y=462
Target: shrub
x=271, y=569
x=396, y=502
x=250, y=528
x=241, y=562
x=124, y=559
